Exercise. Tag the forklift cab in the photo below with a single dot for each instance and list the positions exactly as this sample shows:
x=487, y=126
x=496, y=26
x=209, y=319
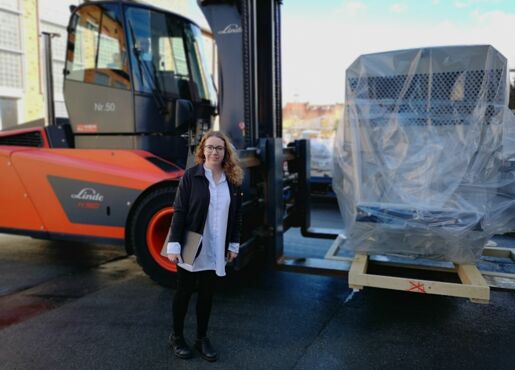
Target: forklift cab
x=136, y=77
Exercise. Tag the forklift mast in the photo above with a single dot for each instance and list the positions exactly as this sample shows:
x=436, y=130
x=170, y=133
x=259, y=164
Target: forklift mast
x=248, y=39
x=247, y=33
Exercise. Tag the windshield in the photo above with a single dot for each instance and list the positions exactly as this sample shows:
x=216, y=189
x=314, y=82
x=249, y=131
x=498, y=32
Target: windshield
x=169, y=56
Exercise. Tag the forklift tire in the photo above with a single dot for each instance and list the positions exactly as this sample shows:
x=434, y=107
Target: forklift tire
x=148, y=227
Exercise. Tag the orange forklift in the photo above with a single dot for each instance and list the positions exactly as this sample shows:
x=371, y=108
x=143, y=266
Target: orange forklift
x=139, y=96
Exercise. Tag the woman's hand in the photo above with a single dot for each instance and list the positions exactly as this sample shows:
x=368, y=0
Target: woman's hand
x=173, y=257
x=231, y=256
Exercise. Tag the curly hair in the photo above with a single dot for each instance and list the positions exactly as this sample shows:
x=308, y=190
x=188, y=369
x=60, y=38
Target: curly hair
x=230, y=165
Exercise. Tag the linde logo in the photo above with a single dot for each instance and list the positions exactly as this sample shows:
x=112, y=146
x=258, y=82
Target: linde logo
x=231, y=28
x=88, y=194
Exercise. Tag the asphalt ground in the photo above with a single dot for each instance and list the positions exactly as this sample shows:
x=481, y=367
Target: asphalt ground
x=80, y=306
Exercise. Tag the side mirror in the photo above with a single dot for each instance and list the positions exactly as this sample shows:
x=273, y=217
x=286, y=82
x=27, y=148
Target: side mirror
x=183, y=114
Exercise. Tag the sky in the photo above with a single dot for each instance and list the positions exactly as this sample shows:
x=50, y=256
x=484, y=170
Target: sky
x=321, y=38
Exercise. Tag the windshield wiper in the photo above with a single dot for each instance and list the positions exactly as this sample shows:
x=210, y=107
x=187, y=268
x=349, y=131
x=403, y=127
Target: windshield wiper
x=156, y=91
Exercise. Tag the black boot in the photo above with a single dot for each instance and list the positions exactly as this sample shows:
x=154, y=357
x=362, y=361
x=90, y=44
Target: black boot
x=180, y=347
x=203, y=345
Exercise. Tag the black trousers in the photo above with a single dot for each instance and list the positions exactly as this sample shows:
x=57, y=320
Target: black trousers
x=187, y=281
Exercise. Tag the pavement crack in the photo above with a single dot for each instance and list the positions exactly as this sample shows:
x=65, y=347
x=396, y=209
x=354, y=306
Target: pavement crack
x=350, y=296
x=307, y=346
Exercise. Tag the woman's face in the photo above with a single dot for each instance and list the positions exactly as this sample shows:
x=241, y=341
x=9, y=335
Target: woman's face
x=214, y=151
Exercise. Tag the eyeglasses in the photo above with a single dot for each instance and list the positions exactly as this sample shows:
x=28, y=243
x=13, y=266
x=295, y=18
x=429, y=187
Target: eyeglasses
x=210, y=148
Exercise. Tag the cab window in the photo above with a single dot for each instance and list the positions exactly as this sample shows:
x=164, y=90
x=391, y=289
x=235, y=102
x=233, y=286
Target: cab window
x=97, y=50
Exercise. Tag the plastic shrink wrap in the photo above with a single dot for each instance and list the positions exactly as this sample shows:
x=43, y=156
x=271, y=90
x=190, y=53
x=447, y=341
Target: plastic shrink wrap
x=422, y=160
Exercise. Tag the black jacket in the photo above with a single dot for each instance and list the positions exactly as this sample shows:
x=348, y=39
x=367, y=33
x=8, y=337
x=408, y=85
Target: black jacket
x=192, y=203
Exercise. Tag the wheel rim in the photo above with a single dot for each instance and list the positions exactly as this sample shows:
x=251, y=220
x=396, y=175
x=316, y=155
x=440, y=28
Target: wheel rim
x=156, y=233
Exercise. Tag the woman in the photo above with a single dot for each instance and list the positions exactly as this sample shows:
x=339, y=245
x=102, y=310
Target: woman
x=208, y=202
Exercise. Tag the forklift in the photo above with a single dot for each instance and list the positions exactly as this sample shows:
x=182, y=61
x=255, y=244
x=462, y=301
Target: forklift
x=140, y=96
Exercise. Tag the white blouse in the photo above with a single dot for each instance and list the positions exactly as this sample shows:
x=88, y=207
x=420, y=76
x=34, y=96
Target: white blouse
x=212, y=253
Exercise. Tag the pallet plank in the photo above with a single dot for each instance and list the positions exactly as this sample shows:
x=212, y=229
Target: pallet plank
x=494, y=279
x=335, y=247
x=469, y=274
x=499, y=252
x=473, y=285
x=357, y=269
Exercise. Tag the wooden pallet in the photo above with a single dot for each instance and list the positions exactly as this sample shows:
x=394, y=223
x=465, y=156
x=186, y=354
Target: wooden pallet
x=472, y=286
x=494, y=279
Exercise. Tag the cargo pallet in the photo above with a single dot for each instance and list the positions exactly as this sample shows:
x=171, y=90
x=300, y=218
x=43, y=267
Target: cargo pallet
x=474, y=283
x=472, y=286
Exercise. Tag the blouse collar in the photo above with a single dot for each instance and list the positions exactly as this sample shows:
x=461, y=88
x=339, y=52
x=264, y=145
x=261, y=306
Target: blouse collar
x=209, y=174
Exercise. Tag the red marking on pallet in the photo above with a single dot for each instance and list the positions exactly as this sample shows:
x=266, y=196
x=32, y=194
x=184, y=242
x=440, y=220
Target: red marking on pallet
x=416, y=287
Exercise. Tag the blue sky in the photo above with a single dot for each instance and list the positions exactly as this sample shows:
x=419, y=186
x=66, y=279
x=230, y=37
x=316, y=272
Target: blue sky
x=322, y=38
x=416, y=10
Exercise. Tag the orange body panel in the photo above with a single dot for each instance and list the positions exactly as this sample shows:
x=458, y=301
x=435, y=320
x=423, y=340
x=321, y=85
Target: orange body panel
x=16, y=208
x=33, y=166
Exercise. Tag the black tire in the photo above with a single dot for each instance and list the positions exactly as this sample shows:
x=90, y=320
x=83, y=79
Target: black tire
x=151, y=203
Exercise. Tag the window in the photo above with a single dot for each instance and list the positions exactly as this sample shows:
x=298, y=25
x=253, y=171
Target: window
x=10, y=70
x=112, y=48
x=9, y=4
x=97, y=52
x=8, y=112
x=83, y=43
x=200, y=71
x=170, y=59
x=172, y=56
x=10, y=45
